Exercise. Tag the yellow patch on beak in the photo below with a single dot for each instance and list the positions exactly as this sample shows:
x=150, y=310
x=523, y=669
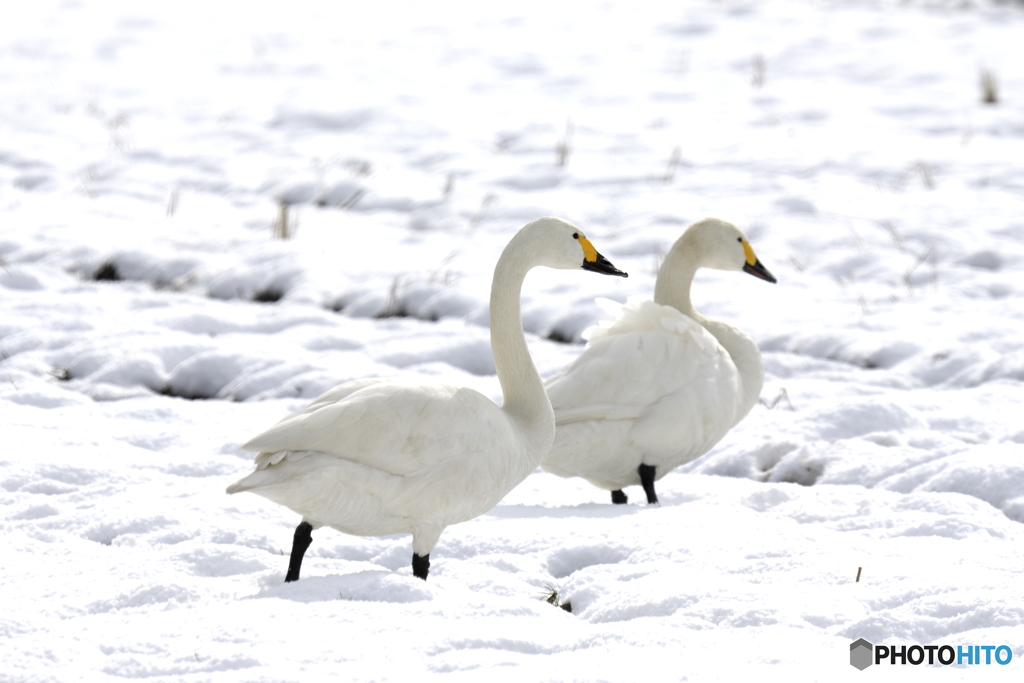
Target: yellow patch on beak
x=749, y=251
x=589, y=253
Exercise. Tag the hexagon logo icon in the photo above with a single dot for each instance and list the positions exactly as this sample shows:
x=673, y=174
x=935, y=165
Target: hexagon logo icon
x=860, y=654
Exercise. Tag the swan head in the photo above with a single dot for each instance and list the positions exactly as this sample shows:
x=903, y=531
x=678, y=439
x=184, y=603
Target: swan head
x=721, y=245
x=557, y=243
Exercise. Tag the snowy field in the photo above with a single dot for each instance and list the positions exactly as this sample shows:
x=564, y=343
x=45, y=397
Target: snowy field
x=150, y=323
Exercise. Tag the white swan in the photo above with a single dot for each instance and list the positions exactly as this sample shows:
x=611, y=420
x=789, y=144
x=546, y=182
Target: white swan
x=661, y=384
x=381, y=456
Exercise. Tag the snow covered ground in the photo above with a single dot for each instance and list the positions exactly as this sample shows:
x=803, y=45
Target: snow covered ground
x=150, y=323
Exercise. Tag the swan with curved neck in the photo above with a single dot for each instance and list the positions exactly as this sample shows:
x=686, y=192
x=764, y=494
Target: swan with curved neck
x=661, y=384
x=375, y=457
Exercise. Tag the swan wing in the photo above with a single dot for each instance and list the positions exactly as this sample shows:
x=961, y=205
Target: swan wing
x=388, y=425
x=650, y=353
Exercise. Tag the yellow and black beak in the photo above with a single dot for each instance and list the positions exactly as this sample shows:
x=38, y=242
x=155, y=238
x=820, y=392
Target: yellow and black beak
x=597, y=263
x=753, y=265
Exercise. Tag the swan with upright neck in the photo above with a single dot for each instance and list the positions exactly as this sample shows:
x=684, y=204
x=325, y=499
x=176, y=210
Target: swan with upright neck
x=375, y=457
x=659, y=385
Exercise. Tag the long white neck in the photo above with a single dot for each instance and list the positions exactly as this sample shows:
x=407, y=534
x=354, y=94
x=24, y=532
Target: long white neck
x=673, y=289
x=524, y=396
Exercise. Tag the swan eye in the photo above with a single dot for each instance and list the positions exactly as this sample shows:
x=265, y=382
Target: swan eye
x=739, y=239
x=575, y=235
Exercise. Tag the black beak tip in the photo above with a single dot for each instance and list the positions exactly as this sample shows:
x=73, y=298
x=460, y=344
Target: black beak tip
x=603, y=266
x=758, y=270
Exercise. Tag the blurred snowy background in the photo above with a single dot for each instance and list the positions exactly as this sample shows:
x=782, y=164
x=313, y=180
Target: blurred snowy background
x=153, y=317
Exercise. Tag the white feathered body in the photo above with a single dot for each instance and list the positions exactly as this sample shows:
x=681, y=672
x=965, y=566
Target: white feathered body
x=377, y=457
x=653, y=386
x=368, y=458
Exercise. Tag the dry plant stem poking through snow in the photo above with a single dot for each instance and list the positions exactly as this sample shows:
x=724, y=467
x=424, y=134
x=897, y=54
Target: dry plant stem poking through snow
x=989, y=87
x=376, y=457
x=284, y=226
x=564, y=147
x=659, y=384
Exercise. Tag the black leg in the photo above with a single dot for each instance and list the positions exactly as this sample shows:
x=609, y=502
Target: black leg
x=646, y=473
x=619, y=498
x=420, y=565
x=303, y=537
